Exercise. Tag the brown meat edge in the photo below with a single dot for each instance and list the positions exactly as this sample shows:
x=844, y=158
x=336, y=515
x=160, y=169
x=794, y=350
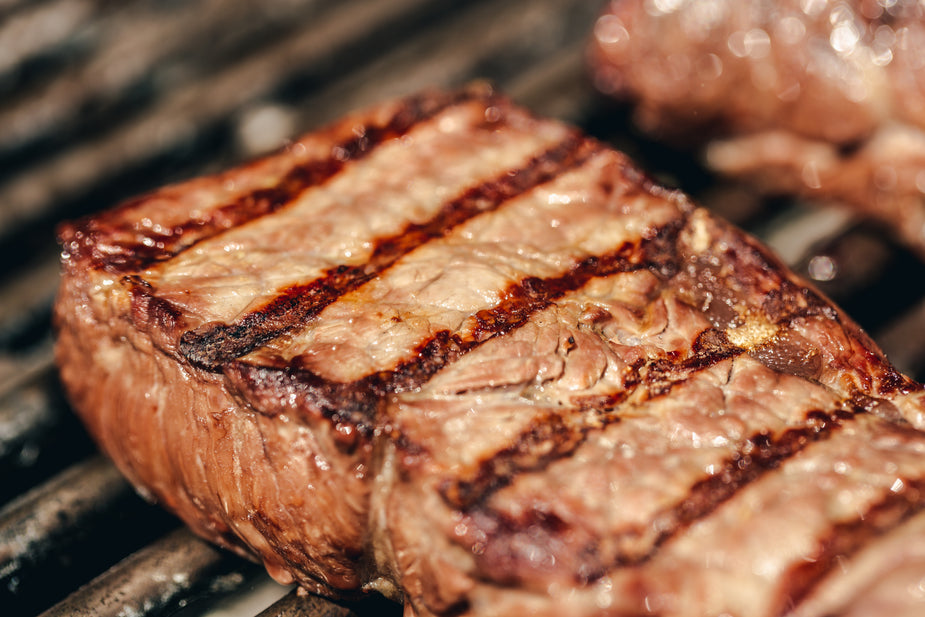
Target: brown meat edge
x=275, y=488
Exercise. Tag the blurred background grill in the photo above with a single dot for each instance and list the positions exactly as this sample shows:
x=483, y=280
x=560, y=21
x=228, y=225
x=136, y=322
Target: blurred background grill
x=100, y=101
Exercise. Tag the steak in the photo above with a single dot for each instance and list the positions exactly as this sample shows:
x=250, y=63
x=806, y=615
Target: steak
x=478, y=362
x=822, y=99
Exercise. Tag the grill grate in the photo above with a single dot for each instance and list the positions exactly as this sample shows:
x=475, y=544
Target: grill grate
x=100, y=101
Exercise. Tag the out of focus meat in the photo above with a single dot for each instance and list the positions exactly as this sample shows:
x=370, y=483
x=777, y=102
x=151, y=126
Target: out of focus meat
x=819, y=98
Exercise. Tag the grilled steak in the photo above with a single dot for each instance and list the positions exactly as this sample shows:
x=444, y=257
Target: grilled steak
x=824, y=99
x=474, y=360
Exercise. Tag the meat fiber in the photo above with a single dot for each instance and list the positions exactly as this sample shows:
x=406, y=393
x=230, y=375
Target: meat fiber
x=823, y=99
x=473, y=360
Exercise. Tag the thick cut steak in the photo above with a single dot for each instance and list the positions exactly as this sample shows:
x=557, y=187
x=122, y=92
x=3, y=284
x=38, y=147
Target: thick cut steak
x=819, y=98
x=474, y=360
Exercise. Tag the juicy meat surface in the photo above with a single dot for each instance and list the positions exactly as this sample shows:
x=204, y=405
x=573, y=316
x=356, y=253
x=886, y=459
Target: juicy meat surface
x=476, y=361
x=824, y=98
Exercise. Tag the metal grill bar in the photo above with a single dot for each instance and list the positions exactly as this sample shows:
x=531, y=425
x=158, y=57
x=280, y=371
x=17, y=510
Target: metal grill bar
x=157, y=580
x=57, y=535
x=38, y=433
x=295, y=605
x=191, y=111
x=300, y=604
x=129, y=51
x=39, y=31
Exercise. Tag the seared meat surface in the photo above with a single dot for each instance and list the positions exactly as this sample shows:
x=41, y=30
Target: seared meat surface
x=476, y=361
x=819, y=98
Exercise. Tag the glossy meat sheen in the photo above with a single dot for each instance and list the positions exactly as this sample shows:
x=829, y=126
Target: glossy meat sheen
x=819, y=98
x=476, y=361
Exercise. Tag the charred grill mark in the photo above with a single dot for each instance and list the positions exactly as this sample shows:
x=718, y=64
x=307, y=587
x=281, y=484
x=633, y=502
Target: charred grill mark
x=501, y=542
x=550, y=437
x=757, y=456
x=151, y=314
x=148, y=247
x=300, y=303
x=847, y=538
x=557, y=436
x=274, y=390
x=709, y=348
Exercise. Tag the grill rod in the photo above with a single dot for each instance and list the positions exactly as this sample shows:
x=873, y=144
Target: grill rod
x=157, y=580
x=295, y=605
x=59, y=534
x=190, y=110
x=300, y=604
x=39, y=434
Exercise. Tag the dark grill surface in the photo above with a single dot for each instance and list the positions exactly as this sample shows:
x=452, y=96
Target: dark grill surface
x=100, y=101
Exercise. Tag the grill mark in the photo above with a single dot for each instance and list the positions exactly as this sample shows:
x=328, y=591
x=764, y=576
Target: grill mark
x=497, y=539
x=848, y=538
x=656, y=378
x=562, y=434
x=293, y=306
x=758, y=456
x=84, y=237
x=550, y=437
x=152, y=315
x=276, y=390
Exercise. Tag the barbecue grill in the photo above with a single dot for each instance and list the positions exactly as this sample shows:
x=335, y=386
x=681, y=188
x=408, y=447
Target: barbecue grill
x=100, y=101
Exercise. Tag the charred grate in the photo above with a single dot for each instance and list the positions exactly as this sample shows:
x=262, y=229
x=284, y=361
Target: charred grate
x=100, y=101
